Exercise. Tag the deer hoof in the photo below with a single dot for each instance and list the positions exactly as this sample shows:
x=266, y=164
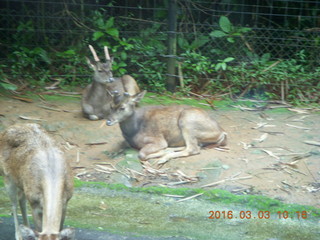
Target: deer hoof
x=93, y=117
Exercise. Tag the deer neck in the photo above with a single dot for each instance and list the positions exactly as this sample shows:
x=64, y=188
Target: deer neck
x=116, y=85
x=131, y=125
x=98, y=86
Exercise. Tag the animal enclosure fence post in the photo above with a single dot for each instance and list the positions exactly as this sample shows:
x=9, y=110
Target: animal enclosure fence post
x=172, y=43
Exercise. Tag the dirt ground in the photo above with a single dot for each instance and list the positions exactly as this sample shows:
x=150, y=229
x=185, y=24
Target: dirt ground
x=267, y=154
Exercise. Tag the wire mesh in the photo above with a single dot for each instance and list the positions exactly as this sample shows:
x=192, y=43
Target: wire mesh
x=279, y=28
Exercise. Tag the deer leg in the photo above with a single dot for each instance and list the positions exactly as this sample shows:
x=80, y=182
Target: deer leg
x=213, y=138
x=153, y=147
x=64, y=208
x=191, y=148
x=13, y=195
x=184, y=153
x=164, y=152
x=23, y=208
x=37, y=215
x=89, y=111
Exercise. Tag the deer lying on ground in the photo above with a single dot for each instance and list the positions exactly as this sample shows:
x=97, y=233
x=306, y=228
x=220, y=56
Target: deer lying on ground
x=152, y=129
x=96, y=98
x=35, y=170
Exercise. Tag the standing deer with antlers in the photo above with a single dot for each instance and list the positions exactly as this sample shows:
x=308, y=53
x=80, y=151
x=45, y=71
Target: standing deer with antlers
x=96, y=98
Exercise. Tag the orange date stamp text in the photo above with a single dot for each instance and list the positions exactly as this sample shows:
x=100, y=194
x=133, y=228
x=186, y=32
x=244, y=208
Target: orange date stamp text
x=257, y=215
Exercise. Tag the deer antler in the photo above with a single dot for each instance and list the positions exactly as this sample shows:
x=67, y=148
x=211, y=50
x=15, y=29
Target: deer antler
x=106, y=52
x=95, y=56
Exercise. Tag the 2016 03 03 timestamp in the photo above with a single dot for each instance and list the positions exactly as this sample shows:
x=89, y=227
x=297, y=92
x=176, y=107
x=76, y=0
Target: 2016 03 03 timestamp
x=257, y=215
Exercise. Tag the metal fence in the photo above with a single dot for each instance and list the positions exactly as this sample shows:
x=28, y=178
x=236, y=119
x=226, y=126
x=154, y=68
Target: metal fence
x=279, y=28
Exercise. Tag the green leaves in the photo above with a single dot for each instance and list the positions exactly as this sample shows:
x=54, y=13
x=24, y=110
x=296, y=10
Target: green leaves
x=69, y=54
x=228, y=59
x=42, y=54
x=225, y=24
x=8, y=86
x=106, y=28
x=183, y=43
x=223, y=63
x=195, y=44
x=97, y=35
x=218, y=34
x=228, y=30
x=113, y=32
x=199, y=42
x=110, y=29
x=109, y=23
x=123, y=55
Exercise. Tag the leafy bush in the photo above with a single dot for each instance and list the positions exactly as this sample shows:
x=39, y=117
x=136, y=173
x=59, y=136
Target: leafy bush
x=204, y=70
x=264, y=78
x=147, y=62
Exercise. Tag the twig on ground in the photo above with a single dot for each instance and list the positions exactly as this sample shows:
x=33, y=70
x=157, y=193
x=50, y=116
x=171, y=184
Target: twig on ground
x=225, y=180
x=175, y=196
x=188, y=198
x=294, y=126
x=312, y=143
x=271, y=154
x=50, y=108
x=30, y=118
x=27, y=100
x=96, y=143
x=78, y=156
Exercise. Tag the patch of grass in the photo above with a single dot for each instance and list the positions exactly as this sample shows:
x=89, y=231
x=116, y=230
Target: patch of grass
x=47, y=97
x=260, y=203
x=59, y=98
x=158, y=99
x=1, y=182
x=143, y=211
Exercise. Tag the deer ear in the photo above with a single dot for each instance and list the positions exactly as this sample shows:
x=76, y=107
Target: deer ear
x=67, y=234
x=137, y=98
x=28, y=233
x=90, y=63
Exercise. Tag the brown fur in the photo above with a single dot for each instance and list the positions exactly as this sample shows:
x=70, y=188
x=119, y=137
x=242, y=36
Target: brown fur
x=96, y=98
x=153, y=129
x=35, y=170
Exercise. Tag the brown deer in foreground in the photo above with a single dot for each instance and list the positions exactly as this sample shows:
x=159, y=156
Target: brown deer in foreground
x=96, y=98
x=35, y=170
x=152, y=129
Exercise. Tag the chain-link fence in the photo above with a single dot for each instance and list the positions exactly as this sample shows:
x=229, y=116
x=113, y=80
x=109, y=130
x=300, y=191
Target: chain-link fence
x=49, y=38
